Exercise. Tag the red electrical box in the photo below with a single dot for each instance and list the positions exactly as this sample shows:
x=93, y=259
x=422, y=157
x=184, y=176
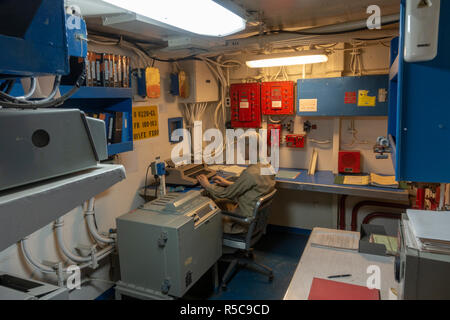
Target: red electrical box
x=245, y=105
x=277, y=130
x=295, y=141
x=277, y=98
x=349, y=162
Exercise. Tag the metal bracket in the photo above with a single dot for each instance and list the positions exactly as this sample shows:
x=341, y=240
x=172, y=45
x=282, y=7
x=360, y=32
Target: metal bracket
x=162, y=241
x=165, y=287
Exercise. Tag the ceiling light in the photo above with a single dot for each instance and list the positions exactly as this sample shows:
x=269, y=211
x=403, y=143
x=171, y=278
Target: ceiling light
x=289, y=59
x=203, y=17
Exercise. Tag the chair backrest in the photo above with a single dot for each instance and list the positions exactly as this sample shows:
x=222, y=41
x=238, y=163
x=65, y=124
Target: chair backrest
x=260, y=217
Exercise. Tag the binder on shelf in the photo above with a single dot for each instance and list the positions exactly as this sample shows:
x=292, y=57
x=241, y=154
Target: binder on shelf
x=118, y=127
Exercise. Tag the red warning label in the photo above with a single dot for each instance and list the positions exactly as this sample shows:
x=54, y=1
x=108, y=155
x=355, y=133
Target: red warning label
x=351, y=98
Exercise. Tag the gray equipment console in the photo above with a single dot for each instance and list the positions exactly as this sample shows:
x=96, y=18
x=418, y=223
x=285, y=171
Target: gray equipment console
x=16, y=288
x=41, y=144
x=167, y=245
x=422, y=275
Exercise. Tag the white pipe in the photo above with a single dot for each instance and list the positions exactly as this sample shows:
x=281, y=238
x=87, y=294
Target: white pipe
x=91, y=225
x=43, y=268
x=32, y=261
x=93, y=231
x=76, y=258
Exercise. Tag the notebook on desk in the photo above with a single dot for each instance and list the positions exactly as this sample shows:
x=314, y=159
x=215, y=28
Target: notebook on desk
x=288, y=174
x=322, y=289
x=373, y=179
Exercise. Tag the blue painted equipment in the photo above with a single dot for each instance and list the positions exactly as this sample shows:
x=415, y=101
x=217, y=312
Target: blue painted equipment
x=340, y=96
x=175, y=124
x=37, y=38
x=420, y=117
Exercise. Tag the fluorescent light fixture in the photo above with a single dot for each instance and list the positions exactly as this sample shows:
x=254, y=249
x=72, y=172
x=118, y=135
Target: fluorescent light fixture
x=203, y=17
x=289, y=59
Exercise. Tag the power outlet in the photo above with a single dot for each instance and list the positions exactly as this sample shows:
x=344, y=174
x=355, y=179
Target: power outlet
x=228, y=102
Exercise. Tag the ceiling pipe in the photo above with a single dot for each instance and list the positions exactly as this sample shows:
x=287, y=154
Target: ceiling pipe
x=311, y=35
x=352, y=25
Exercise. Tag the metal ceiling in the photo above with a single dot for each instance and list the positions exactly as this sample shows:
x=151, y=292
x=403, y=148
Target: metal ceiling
x=263, y=15
x=283, y=14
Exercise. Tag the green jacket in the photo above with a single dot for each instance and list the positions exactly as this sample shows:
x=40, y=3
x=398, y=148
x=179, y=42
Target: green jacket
x=247, y=189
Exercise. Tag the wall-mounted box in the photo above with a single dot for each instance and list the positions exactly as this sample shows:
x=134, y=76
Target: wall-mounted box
x=245, y=105
x=276, y=130
x=344, y=96
x=419, y=120
x=296, y=141
x=277, y=98
x=175, y=124
x=203, y=84
x=349, y=162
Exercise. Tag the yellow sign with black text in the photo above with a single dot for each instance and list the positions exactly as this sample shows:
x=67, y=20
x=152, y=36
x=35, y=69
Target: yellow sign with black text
x=145, y=122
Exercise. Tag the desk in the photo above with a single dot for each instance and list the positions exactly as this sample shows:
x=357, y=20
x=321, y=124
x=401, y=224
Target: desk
x=321, y=262
x=323, y=181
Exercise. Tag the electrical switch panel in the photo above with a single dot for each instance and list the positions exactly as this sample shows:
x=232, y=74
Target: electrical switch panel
x=245, y=105
x=277, y=130
x=295, y=141
x=277, y=98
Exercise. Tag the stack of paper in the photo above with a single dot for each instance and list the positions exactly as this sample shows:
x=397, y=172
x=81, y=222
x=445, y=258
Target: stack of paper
x=383, y=181
x=364, y=180
x=357, y=180
x=288, y=174
x=391, y=243
x=341, y=240
x=431, y=230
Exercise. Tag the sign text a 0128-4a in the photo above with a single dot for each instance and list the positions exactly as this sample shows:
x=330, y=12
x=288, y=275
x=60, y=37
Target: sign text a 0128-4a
x=145, y=122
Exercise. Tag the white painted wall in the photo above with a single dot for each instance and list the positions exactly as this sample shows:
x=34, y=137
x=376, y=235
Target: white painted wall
x=310, y=209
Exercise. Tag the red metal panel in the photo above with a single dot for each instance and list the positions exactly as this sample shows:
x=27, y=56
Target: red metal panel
x=245, y=105
x=295, y=141
x=349, y=162
x=271, y=127
x=277, y=98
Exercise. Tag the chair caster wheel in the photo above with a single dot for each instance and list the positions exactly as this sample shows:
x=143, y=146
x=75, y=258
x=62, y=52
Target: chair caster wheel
x=224, y=287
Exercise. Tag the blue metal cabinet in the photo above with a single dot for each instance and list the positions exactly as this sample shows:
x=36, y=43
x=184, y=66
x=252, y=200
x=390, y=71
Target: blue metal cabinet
x=37, y=38
x=339, y=97
x=107, y=100
x=420, y=120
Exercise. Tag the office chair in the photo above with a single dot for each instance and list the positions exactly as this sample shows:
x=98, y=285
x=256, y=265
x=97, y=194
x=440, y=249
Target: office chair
x=244, y=242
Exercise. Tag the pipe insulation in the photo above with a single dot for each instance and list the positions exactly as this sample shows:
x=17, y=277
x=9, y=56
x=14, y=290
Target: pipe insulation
x=89, y=214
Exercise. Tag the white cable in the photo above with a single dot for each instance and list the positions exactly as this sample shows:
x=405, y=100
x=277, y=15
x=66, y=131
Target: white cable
x=76, y=258
x=274, y=121
x=32, y=261
x=38, y=265
x=320, y=141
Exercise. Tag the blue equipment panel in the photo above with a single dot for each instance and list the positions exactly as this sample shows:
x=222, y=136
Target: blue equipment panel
x=34, y=38
x=175, y=124
x=422, y=134
x=106, y=101
x=339, y=97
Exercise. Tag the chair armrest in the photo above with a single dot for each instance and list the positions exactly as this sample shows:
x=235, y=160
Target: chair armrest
x=238, y=218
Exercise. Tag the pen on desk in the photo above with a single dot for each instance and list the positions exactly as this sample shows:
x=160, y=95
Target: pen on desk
x=340, y=276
